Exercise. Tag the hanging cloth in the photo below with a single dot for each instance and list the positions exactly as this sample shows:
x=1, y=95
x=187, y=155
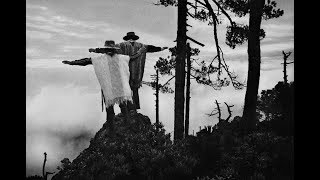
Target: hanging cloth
x=113, y=75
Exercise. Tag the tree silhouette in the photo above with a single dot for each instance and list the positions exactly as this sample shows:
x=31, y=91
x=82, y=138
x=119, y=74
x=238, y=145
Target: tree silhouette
x=276, y=106
x=238, y=34
x=218, y=111
x=200, y=72
x=180, y=70
x=158, y=87
x=203, y=11
x=229, y=111
x=285, y=63
x=186, y=123
x=44, y=173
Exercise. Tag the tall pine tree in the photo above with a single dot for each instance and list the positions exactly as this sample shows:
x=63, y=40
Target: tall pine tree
x=203, y=11
x=238, y=34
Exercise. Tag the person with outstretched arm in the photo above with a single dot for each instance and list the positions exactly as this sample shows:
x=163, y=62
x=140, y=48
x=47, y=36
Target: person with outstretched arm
x=137, y=52
x=137, y=63
x=113, y=74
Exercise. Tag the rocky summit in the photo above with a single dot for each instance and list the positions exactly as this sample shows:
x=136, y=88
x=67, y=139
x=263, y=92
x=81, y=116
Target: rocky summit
x=107, y=146
x=133, y=149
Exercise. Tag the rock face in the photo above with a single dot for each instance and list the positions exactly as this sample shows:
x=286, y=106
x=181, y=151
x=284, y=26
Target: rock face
x=133, y=150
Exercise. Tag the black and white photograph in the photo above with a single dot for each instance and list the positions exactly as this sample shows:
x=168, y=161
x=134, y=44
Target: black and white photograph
x=160, y=89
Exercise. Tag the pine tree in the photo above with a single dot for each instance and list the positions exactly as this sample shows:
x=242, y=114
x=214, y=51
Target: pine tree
x=203, y=12
x=238, y=34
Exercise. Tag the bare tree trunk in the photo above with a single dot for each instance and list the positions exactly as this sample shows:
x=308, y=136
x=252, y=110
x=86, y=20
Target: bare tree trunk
x=285, y=57
x=249, y=112
x=44, y=166
x=285, y=76
x=186, y=130
x=157, y=98
x=180, y=71
x=286, y=96
x=219, y=111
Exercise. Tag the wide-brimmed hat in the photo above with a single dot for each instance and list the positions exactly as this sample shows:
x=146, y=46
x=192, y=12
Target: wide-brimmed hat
x=130, y=35
x=110, y=44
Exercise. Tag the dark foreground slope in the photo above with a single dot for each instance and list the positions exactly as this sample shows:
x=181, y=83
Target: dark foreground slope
x=135, y=150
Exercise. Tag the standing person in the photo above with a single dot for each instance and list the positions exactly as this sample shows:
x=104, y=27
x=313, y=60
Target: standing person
x=113, y=74
x=136, y=65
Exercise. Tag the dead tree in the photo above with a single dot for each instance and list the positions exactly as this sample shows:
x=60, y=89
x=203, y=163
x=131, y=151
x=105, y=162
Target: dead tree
x=229, y=111
x=158, y=87
x=217, y=109
x=285, y=63
x=157, y=98
x=44, y=164
x=45, y=174
x=155, y=78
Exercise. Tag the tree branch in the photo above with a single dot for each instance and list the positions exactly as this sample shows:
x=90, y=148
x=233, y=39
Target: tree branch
x=224, y=12
x=286, y=55
x=214, y=19
x=236, y=84
x=168, y=80
x=229, y=111
x=189, y=25
x=195, y=60
x=213, y=60
x=219, y=111
x=197, y=42
x=201, y=3
x=193, y=76
x=190, y=4
x=212, y=114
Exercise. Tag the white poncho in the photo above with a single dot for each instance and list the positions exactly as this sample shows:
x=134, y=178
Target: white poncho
x=113, y=76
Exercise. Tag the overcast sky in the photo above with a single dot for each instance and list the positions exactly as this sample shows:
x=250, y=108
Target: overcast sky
x=63, y=105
